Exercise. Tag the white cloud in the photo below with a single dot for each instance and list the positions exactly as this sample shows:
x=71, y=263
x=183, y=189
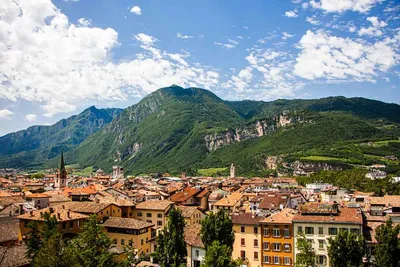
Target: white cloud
x=30, y=117
x=229, y=45
x=337, y=58
x=46, y=59
x=312, y=20
x=182, y=36
x=136, y=10
x=375, y=29
x=5, y=113
x=291, y=14
x=84, y=22
x=286, y=35
x=361, y=6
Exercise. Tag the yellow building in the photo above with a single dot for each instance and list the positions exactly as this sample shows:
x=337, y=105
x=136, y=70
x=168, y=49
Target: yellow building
x=247, y=244
x=69, y=222
x=230, y=203
x=277, y=239
x=153, y=211
x=102, y=210
x=191, y=214
x=130, y=232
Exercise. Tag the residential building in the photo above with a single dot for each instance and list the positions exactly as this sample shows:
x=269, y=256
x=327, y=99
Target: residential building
x=191, y=214
x=195, y=247
x=130, y=232
x=319, y=222
x=230, y=204
x=277, y=239
x=186, y=197
x=101, y=210
x=247, y=244
x=333, y=194
x=153, y=211
x=39, y=201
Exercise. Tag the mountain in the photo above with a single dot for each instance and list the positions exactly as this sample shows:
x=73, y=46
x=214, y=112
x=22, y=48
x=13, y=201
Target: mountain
x=33, y=146
x=175, y=129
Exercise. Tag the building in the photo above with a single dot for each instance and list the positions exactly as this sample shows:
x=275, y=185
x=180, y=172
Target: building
x=101, y=210
x=130, y=232
x=153, y=211
x=186, y=197
x=230, y=204
x=118, y=172
x=247, y=245
x=61, y=175
x=39, y=201
x=232, y=171
x=333, y=194
x=195, y=247
x=191, y=214
x=319, y=222
x=277, y=239
x=69, y=222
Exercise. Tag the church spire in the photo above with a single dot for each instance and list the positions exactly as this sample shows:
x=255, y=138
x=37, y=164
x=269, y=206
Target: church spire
x=62, y=165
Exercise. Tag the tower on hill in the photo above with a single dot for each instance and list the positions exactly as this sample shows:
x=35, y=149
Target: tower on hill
x=233, y=171
x=61, y=175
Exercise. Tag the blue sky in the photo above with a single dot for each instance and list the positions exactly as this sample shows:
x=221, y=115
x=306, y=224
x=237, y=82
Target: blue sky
x=59, y=57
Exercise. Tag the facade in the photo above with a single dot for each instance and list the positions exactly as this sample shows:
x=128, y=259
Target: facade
x=39, y=201
x=194, y=245
x=101, y=210
x=247, y=244
x=230, y=204
x=319, y=222
x=153, y=211
x=61, y=176
x=192, y=214
x=69, y=222
x=277, y=239
x=130, y=232
x=118, y=172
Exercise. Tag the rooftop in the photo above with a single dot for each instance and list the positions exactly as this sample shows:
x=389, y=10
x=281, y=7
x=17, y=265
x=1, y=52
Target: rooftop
x=247, y=218
x=285, y=216
x=58, y=212
x=128, y=223
x=85, y=207
x=187, y=211
x=345, y=216
x=192, y=235
x=154, y=205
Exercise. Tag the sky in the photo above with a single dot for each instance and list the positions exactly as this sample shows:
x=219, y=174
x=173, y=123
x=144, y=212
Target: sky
x=59, y=57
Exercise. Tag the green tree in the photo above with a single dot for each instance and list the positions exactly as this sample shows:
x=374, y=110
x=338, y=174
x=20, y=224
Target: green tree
x=33, y=240
x=92, y=246
x=219, y=255
x=217, y=227
x=306, y=256
x=387, y=251
x=346, y=249
x=171, y=249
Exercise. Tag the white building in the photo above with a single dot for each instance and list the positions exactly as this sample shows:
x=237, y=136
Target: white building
x=316, y=188
x=334, y=194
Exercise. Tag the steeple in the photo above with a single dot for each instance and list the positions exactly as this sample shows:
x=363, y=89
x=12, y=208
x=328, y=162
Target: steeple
x=61, y=175
x=62, y=165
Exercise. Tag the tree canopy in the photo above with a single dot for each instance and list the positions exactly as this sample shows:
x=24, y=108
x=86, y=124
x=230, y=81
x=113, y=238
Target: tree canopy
x=346, y=249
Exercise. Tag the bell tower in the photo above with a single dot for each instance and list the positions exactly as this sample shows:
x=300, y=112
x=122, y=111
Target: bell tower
x=61, y=175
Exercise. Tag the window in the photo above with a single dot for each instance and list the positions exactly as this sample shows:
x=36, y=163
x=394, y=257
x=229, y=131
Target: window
x=309, y=230
x=277, y=246
x=159, y=215
x=299, y=229
x=64, y=225
x=255, y=230
x=148, y=215
x=355, y=231
x=130, y=242
x=101, y=213
x=267, y=259
x=243, y=254
x=256, y=256
x=38, y=202
x=139, y=214
x=286, y=260
x=276, y=232
x=321, y=244
x=320, y=230
x=159, y=223
x=197, y=253
x=266, y=231
x=286, y=233
x=242, y=242
x=321, y=260
x=242, y=229
x=122, y=242
x=141, y=242
x=130, y=214
x=71, y=224
x=332, y=231
x=276, y=260
x=115, y=241
x=266, y=246
x=256, y=243
x=107, y=212
x=149, y=221
x=286, y=247
x=114, y=211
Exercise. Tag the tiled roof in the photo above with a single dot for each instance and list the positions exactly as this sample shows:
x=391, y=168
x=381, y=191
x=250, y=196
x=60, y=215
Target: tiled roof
x=9, y=228
x=285, y=216
x=38, y=196
x=13, y=256
x=154, y=205
x=229, y=201
x=128, y=223
x=192, y=235
x=345, y=215
x=203, y=193
x=58, y=212
x=184, y=195
x=187, y=211
x=85, y=207
x=388, y=201
x=274, y=201
x=247, y=218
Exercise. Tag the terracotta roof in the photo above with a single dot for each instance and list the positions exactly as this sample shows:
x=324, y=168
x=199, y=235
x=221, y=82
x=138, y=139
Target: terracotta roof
x=58, y=212
x=154, y=205
x=203, y=193
x=13, y=256
x=5, y=201
x=128, y=223
x=229, y=201
x=345, y=215
x=38, y=196
x=184, y=195
x=192, y=235
x=85, y=207
x=8, y=229
x=273, y=201
x=388, y=201
x=246, y=218
x=285, y=216
x=187, y=211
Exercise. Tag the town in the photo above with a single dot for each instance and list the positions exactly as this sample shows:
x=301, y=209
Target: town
x=270, y=216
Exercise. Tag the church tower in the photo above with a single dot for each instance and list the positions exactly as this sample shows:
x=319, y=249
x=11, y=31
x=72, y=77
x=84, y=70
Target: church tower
x=233, y=171
x=61, y=175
